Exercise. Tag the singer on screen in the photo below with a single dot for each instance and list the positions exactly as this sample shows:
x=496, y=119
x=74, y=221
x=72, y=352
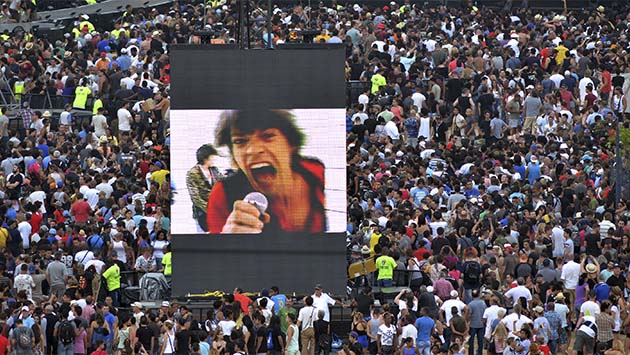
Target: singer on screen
x=265, y=148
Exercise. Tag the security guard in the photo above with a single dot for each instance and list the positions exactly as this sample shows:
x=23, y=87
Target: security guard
x=87, y=23
x=81, y=94
x=18, y=89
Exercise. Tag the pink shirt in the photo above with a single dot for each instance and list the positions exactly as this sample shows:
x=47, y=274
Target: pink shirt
x=79, y=342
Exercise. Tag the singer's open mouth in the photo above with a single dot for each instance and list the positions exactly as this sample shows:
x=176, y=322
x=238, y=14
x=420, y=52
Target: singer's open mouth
x=263, y=172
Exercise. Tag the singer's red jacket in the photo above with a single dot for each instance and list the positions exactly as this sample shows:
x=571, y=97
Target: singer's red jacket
x=226, y=192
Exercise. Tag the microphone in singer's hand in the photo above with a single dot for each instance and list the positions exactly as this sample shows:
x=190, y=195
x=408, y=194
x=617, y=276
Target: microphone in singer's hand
x=258, y=200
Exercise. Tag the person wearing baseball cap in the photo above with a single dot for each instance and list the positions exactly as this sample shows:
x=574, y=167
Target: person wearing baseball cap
x=446, y=312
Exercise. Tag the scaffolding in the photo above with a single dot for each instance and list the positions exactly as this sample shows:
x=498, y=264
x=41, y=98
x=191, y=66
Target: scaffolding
x=8, y=99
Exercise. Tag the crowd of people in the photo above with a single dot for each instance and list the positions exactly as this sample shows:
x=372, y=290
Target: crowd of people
x=481, y=179
x=85, y=189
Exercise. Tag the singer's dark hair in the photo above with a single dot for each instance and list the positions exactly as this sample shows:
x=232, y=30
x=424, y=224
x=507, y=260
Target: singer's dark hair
x=249, y=120
x=204, y=152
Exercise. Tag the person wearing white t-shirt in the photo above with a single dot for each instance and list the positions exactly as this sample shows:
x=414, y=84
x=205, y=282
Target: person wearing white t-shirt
x=83, y=256
x=391, y=129
x=322, y=300
x=364, y=100
x=96, y=262
x=590, y=308
x=387, y=341
x=418, y=100
x=448, y=305
x=306, y=318
x=99, y=122
x=570, y=276
x=25, y=229
x=124, y=118
x=227, y=325
x=515, y=320
x=518, y=292
x=490, y=314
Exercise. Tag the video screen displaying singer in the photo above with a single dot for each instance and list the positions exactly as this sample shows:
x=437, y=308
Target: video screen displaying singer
x=265, y=148
x=256, y=173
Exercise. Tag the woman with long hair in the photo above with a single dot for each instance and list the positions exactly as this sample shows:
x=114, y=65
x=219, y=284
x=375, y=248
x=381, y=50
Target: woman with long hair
x=292, y=344
x=38, y=334
x=168, y=339
x=218, y=344
x=359, y=325
x=123, y=338
x=499, y=335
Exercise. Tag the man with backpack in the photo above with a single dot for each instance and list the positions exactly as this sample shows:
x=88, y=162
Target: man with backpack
x=22, y=339
x=65, y=332
x=49, y=322
x=472, y=273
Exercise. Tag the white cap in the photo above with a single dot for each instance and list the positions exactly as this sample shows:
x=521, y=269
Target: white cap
x=567, y=72
x=430, y=289
x=530, y=87
x=454, y=293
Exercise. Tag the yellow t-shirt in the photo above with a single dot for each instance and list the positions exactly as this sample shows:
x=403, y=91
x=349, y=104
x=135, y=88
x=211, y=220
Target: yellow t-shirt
x=112, y=276
x=377, y=81
x=373, y=241
x=168, y=266
x=80, y=96
x=159, y=176
x=562, y=53
x=4, y=235
x=97, y=104
x=385, y=266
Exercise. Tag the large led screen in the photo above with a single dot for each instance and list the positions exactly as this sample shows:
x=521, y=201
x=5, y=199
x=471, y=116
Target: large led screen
x=258, y=169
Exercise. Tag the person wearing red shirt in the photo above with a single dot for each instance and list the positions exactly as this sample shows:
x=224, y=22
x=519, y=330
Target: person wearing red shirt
x=81, y=210
x=419, y=254
x=36, y=221
x=242, y=299
x=59, y=218
x=4, y=345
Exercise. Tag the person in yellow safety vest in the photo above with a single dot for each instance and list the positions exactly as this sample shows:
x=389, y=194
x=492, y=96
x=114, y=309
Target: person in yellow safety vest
x=128, y=14
x=98, y=103
x=81, y=94
x=18, y=89
x=118, y=29
x=87, y=23
x=90, y=2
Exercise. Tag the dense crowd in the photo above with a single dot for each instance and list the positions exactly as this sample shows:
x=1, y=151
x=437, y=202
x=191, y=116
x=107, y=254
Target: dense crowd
x=481, y=179
x=84, y=183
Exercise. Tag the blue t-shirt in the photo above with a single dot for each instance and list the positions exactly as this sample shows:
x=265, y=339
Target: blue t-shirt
x=279, y=301
x=43, y=148
x=412, y=127
x=534, y=173
x=603, y=291
x=424, y=326
x=110, y=319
